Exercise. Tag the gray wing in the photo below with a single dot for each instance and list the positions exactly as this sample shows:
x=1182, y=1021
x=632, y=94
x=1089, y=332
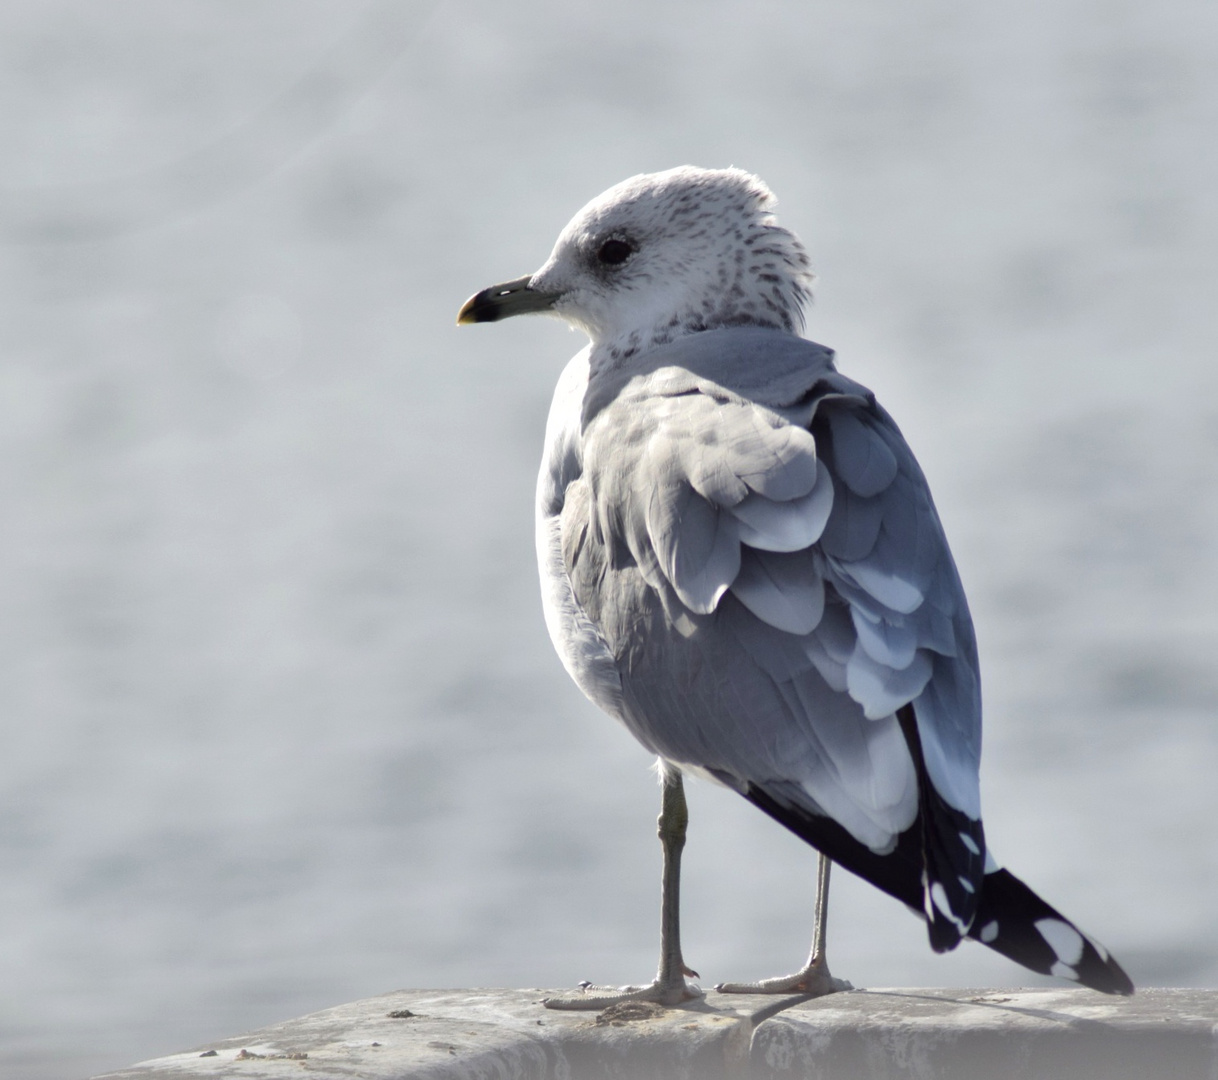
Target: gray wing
x=888, y=558
x=773, y=582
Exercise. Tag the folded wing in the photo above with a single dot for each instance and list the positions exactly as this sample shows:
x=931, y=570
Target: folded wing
x=774, y=583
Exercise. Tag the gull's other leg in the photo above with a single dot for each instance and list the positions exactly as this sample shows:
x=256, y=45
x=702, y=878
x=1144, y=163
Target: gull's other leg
x=814, y=978
x=669, y=987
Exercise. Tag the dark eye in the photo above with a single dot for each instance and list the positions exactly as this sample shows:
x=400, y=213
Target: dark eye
x=614, y=252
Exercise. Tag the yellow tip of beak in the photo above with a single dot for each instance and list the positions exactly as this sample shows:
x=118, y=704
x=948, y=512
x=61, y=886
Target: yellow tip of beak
x=502, y=301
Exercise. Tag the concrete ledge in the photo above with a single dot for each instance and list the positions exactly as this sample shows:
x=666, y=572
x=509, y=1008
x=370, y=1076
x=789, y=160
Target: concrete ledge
x=1063, y=1034
x=863, y=1035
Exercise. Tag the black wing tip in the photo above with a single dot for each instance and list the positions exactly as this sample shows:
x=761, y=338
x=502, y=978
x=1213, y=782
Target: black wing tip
x=1016, y=922
x=1007, y=910
x=942, y=934
x=953, y=852
x=1122, y=988
x=1101, y=972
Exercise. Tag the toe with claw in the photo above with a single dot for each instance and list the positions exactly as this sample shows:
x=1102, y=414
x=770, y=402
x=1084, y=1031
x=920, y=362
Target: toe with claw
x=813, y=980
x=601, y=997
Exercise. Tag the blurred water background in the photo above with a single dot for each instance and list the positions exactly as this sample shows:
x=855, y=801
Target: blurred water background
x=281, y=727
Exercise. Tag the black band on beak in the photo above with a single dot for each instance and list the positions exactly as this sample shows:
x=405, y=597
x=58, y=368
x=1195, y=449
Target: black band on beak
x=502, y=301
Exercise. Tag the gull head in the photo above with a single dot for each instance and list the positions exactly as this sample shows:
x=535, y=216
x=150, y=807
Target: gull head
x=662, y=255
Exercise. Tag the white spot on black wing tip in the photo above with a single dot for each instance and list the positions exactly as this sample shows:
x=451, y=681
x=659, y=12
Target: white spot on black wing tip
x=946, y=927
x=938, y=895
x=988, y=932
x=1100, y=950
x=1065, y=941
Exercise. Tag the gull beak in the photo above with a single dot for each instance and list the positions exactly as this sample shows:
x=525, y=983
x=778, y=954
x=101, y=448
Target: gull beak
x=501, y=301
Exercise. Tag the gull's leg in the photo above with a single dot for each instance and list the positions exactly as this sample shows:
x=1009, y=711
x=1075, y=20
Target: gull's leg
x=669, y=987
x=814, y=979
x=671, y=826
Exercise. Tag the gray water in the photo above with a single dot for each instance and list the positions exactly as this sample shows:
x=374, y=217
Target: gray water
x=281, y=725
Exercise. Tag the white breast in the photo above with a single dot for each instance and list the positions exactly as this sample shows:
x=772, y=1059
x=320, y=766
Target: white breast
x=577, y=641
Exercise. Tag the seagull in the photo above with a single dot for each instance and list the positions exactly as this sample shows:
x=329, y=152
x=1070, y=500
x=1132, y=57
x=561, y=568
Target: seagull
x=741, y=561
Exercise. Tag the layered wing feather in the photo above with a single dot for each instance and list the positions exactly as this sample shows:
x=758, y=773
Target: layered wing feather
x=765, y=561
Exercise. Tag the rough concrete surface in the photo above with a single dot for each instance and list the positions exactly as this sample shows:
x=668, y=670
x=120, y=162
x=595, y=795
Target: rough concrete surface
x=862, y=1035
x=1066, y=1034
